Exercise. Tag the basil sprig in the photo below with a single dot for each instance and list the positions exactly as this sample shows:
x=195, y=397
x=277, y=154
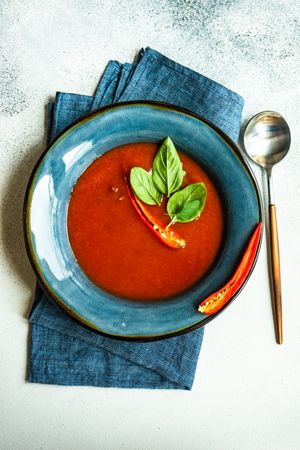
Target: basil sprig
x=142, y=183
x=167, y=168
x=186, y=205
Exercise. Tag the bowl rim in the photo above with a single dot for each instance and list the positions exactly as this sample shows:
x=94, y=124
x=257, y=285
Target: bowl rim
x=26, y=228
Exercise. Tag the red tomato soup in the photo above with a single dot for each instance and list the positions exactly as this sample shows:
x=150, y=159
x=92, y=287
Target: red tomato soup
x=113, y=246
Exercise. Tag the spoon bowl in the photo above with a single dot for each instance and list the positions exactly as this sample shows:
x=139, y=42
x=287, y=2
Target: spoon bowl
x=267, y=138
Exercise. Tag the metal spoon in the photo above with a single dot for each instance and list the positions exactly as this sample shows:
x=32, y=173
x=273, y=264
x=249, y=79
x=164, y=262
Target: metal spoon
x=267, y=140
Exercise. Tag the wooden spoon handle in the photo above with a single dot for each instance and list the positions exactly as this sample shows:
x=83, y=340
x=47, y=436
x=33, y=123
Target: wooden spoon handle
x=275, y=264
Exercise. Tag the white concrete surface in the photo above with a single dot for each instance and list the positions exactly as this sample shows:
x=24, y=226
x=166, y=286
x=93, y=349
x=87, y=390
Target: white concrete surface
x=246, y=393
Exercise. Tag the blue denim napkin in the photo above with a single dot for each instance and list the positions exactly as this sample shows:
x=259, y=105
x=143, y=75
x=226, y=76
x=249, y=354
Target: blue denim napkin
x=61, y=350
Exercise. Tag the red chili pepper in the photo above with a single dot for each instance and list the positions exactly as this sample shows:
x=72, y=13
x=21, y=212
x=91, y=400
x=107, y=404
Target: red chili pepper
x=168, y=237
x=218, y=299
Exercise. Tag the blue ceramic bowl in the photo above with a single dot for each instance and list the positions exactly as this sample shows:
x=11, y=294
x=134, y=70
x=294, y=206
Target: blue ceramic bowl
x=46, y=206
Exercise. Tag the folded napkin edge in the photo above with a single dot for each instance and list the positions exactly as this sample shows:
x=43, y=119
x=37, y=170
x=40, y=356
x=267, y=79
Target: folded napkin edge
x=193, y=74
x=181, y=382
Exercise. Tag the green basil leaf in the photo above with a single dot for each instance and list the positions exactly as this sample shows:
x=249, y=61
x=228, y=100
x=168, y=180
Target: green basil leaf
x=143, y=186
x=186, y=205
x=167, y=168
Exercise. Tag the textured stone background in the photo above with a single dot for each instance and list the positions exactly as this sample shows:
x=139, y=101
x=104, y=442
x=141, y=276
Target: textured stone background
x=245, y=393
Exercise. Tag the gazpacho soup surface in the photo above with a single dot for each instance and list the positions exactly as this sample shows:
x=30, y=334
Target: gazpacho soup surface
x=113, y=246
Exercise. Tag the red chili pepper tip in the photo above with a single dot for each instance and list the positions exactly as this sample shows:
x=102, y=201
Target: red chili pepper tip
x=218, y=299
x=168, y=237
